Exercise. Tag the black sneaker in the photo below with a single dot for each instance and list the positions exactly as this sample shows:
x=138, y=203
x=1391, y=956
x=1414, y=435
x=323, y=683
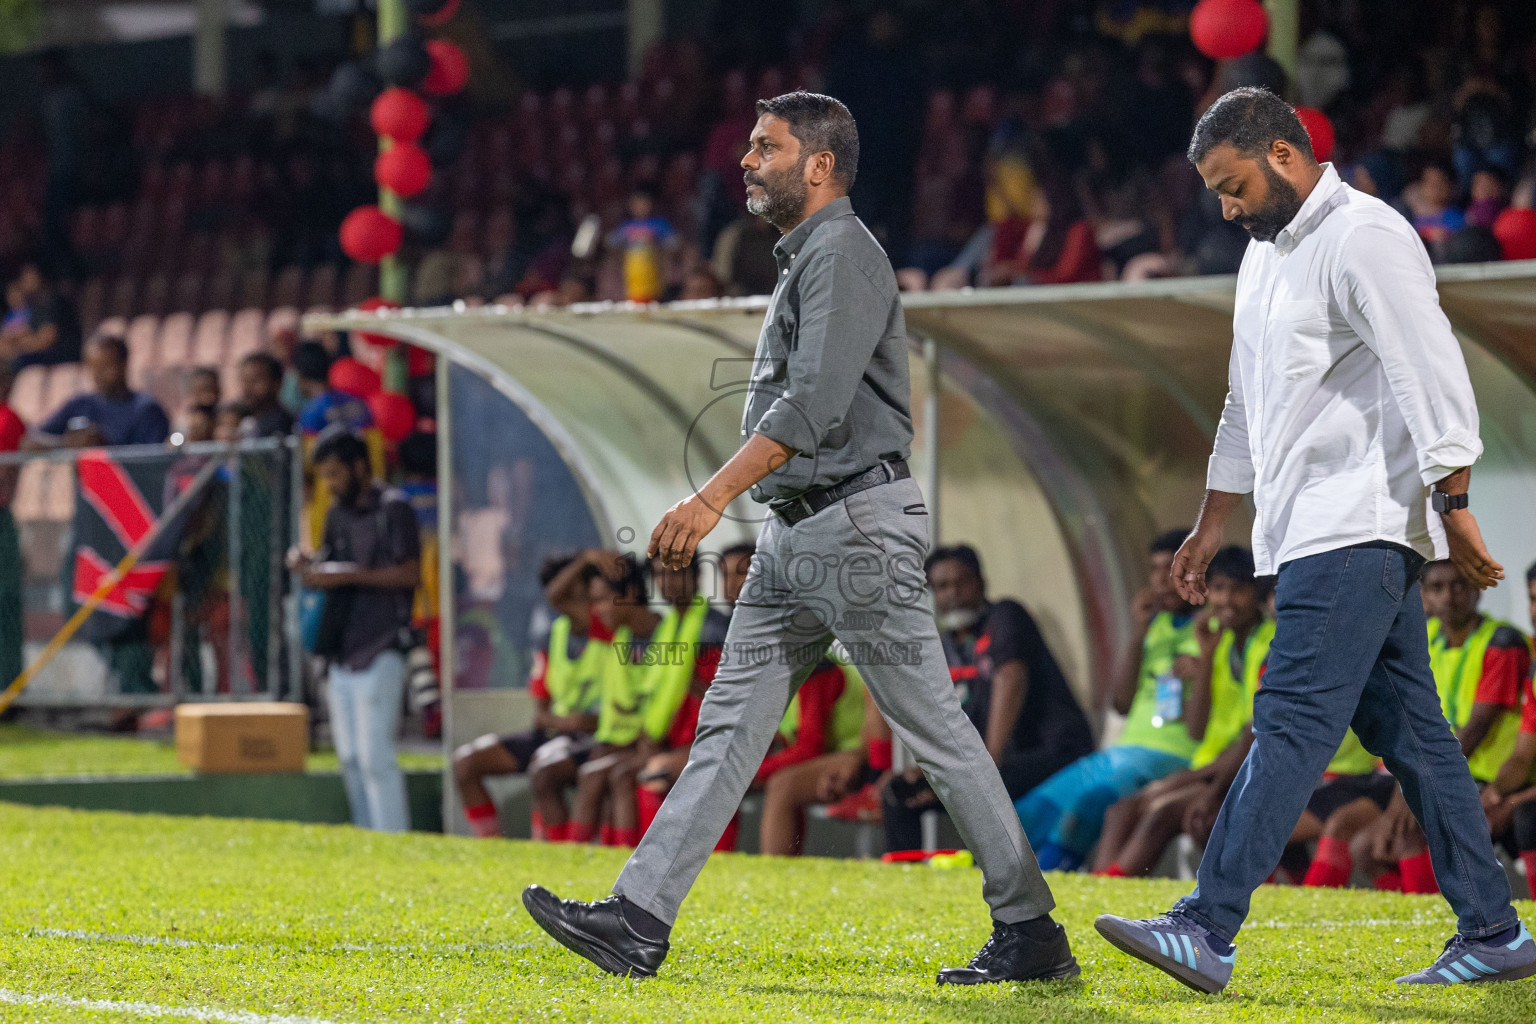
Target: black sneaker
x=1010, y=955
x=597, y=931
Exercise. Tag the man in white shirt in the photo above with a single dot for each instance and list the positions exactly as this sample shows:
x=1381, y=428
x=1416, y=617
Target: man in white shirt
x=1348, y=402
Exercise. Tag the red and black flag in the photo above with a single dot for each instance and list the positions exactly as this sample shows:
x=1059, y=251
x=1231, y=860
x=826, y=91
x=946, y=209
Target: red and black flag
x=119, y=501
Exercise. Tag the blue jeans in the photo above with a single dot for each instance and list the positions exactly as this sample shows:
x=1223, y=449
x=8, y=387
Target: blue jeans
x=365, y=716
x=1067, y=810
x=1350, y=649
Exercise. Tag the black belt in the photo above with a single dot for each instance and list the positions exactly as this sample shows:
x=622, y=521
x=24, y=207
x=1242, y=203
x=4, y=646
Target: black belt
x=792, y=510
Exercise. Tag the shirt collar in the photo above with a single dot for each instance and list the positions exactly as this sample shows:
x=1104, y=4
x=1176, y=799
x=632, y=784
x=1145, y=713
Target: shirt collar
x=1325, y=195
x=791, y=244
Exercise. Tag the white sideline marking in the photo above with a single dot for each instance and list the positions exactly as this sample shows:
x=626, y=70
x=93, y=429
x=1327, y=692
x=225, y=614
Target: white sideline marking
x=202, y=1013
x=346, y=947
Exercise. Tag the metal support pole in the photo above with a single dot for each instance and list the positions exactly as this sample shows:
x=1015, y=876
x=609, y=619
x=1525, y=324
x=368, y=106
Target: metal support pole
x=446, y=617
x=394, y=282
x=296, y=664
x=234, y=553
x=1284, y=33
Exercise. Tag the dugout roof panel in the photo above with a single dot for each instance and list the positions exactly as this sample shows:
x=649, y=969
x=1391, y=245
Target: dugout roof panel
x=1073, y=422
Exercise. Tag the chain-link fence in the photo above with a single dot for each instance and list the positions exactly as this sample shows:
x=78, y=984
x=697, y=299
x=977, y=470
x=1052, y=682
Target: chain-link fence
x=203, y=613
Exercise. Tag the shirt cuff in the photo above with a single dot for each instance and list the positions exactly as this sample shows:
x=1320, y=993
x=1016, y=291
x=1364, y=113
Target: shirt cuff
x=1456, y=450
x=1224, y=473
x=786, y=423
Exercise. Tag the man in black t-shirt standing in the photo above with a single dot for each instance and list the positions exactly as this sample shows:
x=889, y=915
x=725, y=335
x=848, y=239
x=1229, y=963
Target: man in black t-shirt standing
x=1010, y=686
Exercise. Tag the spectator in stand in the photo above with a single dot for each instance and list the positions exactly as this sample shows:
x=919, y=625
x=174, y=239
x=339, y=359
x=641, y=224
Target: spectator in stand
x=647, y=241
x=324, y=406
x=743, y=256
x=200, y=423
x=227, y=421
x=1481, y=666
x=41, y=327
x=700, y=283
x=1430, y=202
x=203, y=386
x=1064, y=815
x=1011, y=197
x=564, y=686
x=261, y=379
x=1234, y=638
x=1011, y=688
x=1059, y=246
x=113, y=414
x=1489, y=194
x=12, y=430
x=370, y=561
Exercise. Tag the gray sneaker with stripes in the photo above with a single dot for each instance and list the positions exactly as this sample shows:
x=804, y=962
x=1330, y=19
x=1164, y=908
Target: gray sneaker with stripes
x=1470, y=961
x=1174, y=944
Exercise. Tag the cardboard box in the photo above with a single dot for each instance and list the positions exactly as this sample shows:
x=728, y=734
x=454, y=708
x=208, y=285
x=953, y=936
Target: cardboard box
x=242, y=737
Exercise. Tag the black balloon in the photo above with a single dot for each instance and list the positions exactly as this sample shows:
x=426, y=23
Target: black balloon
x=425, y=225
x=404, y=62
x=447, y=135
x=353, y=86
x=425, y=7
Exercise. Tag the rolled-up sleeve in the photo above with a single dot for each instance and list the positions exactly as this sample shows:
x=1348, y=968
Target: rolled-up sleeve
x=1231, y=465
x=842, y=316
x=1387, y=288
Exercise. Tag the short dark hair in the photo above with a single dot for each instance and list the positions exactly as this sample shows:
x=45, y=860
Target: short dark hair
x=1251, y=119
x=418, y=453
x=1530, y=574
x=821, y=123
x=202, y=410
x=311, y=361
x=233, y=409
x=211, y=372
x=962, y=553
x=1170, y=541
x=114, y=344
x=1234, y=562
x=551, y=566
x=337, y=442
x=267, y=361
x=744, y=547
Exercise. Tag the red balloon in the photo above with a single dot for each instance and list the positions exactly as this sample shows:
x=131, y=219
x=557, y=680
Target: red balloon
x=399, y=114
x=1224, y=29
x=1516, y=232
x=368, y=234
x=419, y=361
x=450, y=68
x=404, y=169
x=393, y=414
x=353, y=378
x=442, y=17
x=1319, y=130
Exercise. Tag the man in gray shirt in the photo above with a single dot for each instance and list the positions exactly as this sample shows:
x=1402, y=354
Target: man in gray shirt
x=827, y=431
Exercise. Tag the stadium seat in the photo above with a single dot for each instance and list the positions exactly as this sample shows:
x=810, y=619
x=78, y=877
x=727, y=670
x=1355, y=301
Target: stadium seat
x=155, y=299
x=59, y=494
x=176, y=348
x=211, y=339
x=283, y=318
x=120, y=300
x=222, y=291
x=190, y=288
x=116, y=326
x=288, y=288
x=31, y=488
x=362, y=282
x=93, y=304
x=253, y=287
x=143, y=337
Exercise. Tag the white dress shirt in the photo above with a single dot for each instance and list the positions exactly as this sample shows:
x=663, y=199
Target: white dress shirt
x=1348, y=395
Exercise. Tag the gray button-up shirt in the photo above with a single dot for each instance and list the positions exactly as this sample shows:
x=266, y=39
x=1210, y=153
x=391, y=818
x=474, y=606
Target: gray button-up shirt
x=830, y=374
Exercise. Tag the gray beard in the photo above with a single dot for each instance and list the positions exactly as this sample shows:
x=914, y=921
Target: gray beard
x=781, y=208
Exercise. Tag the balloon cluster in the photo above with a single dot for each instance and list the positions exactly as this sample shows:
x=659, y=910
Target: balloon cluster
x=392, y=87
x=1227, y=29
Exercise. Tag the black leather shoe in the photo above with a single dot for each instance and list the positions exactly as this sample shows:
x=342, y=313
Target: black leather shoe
x=597, y=931
x=1010, y=955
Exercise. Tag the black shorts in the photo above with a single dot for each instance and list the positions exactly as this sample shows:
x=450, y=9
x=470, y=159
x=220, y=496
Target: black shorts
x=521, y=746
x=1340, y=790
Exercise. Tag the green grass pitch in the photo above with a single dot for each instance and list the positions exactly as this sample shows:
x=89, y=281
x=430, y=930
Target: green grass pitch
x=113, y=917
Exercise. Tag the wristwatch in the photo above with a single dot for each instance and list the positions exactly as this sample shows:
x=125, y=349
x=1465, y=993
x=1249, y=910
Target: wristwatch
x=1443, y=503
